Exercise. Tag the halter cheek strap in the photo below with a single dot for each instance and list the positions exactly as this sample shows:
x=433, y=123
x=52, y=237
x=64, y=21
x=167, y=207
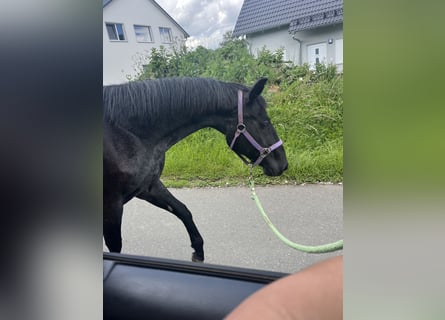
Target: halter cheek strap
x=242, y=130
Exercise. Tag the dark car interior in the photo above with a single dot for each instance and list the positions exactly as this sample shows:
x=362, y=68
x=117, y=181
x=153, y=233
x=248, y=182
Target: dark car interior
x=136, y=287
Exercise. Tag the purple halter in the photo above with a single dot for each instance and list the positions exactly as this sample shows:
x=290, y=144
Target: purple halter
x=241, y=129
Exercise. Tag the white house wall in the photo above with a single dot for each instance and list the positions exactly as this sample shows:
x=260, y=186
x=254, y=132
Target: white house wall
x=280, y=38
x=122, y=58
x=273, y=40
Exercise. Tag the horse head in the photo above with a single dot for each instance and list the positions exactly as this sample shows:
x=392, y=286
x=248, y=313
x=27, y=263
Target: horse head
x=252, y=136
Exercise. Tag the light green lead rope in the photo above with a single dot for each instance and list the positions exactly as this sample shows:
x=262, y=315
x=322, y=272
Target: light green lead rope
x=329, y=247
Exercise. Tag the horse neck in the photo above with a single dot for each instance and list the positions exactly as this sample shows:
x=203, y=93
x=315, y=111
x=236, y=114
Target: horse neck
x=170, y=114
x=167, y=132
x=174, y=133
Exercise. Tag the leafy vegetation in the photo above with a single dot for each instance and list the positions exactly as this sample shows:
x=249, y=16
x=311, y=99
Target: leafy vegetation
x=305, y=106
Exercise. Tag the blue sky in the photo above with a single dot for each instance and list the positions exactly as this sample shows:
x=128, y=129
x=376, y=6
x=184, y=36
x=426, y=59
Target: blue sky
x=205, y=20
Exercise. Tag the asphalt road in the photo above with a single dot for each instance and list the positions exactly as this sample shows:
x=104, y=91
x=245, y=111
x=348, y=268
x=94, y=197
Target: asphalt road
x=233, y=230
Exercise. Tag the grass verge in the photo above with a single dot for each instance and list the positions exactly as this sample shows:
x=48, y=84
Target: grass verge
x=308, y=117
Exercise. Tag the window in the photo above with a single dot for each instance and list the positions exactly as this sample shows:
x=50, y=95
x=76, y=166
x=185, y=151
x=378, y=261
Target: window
x=116, y=31
x=339, y=51
x=166, y=34
x=143, y=33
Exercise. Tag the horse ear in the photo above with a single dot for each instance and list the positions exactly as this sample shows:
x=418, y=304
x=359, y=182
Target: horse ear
x=257, y=89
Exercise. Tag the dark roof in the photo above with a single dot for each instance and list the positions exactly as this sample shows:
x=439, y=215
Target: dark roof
x=106, y=2
x=260, y=15
x=317, y=14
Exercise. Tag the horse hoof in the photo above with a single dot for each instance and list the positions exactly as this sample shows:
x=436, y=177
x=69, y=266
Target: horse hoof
x=197, y=258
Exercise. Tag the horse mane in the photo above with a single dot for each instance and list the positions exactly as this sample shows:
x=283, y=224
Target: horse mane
x=167, y=98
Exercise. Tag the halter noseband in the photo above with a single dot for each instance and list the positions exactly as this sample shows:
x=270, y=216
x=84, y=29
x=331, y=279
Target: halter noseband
x=241, y=129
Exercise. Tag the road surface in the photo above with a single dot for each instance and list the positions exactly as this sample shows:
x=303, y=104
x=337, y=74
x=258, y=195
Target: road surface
x=233, y=230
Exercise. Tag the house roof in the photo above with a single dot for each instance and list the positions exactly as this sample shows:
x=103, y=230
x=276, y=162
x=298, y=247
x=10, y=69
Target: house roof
x=260, y=15
x=106, y=2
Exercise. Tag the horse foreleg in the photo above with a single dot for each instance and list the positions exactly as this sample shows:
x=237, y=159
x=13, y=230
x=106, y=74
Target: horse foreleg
x=112, y=226
x=159, y=196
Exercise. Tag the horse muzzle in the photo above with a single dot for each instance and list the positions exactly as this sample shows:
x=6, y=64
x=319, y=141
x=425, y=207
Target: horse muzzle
x=273, y=168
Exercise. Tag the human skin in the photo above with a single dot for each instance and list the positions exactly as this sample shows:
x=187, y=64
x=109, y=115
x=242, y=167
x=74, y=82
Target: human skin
x=313, y=293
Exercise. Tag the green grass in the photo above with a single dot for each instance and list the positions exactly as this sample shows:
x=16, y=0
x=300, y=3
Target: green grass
x=308, y=116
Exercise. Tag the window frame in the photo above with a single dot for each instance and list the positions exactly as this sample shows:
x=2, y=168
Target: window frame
x=114, y=25
x=170, y=34
x=150, y=33
x=339, y=51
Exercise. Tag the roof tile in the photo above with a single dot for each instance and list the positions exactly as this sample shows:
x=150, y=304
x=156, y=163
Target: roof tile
x=260, y=15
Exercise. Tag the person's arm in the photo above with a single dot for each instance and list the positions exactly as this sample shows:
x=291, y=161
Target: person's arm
x=313, y=293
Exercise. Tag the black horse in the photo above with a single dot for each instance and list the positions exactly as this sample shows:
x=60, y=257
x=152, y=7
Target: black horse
x=143, y=119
